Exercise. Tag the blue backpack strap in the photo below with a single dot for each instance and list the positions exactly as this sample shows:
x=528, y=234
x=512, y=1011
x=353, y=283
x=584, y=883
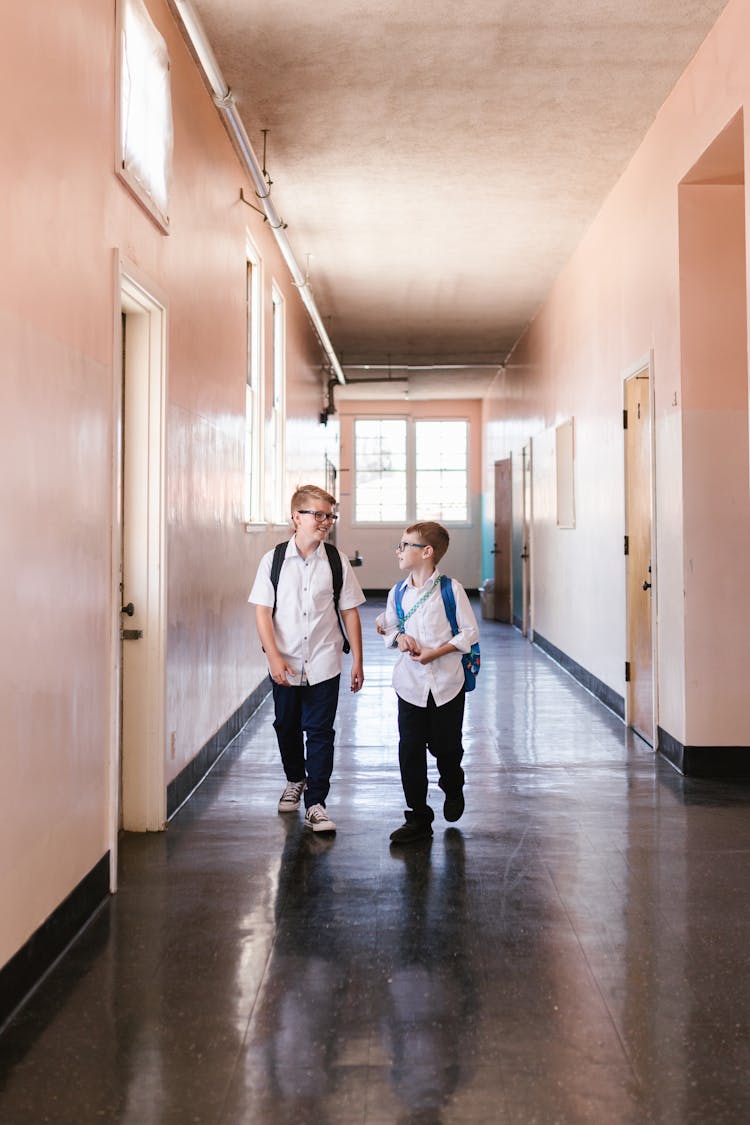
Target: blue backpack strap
x=279, y=552
x=398, y=594
x=446, y=589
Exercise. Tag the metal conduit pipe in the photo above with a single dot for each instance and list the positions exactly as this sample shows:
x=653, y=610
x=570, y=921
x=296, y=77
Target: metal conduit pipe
x=224, y=100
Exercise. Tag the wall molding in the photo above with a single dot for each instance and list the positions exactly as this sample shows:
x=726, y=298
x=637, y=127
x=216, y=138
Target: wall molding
x=180, y=788
x=46, y=945
x=704, y=761
x=597, y=687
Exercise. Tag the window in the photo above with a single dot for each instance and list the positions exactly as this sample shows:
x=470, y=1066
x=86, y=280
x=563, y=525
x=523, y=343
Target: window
x=253, y=396
x=442, y=470
x=275, y=451
x=144, y=159
x=411, y=469
x=380, y=470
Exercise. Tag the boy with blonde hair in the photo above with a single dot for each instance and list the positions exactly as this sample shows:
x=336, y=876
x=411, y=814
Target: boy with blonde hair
x=299, y=591
x=428, y=677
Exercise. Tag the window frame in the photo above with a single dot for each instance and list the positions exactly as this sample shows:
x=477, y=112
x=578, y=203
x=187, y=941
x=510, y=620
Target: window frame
x=411, y=469
x=379, y=418
x=466, y=470
x=275, y=459
x=253, y=467
x=136, y=187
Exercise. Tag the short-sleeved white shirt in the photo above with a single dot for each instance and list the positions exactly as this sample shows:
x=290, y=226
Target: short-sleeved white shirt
x=429, y=626
x=305, y=623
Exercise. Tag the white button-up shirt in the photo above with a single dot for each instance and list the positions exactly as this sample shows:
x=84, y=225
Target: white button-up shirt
x=305, y=623
x=430, y=627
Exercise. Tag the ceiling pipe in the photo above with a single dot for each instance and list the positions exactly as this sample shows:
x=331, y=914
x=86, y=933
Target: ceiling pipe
x=224, y=100
x=422, y=367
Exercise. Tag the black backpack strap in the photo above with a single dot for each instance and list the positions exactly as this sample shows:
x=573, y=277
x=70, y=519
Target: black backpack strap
x=279, y=553
x=334, y=560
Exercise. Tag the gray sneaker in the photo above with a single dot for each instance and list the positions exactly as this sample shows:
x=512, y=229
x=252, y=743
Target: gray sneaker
x=290, y=798
x=318, y=819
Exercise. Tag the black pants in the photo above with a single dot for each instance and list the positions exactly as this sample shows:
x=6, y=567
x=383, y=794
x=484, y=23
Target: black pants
x=310, y=710
x=437, y=729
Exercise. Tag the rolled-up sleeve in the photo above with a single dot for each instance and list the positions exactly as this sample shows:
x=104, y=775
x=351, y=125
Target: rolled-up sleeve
x=388, y=621
x=351, y=592
x=262, y=591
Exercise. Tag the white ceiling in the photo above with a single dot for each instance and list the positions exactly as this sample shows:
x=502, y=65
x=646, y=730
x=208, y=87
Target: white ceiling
x=439, y=161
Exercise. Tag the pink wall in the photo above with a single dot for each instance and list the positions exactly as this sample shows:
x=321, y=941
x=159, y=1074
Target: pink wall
x=621, y=298
x=64, y=215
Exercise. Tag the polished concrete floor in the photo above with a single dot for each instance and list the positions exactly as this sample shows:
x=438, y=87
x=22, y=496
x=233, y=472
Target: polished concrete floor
x=575, y=949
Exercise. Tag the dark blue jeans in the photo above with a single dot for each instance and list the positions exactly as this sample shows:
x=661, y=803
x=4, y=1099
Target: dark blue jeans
x=437, y=729
x=308, y=710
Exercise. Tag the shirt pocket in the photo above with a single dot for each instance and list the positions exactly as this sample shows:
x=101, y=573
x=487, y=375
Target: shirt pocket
x=321, y=589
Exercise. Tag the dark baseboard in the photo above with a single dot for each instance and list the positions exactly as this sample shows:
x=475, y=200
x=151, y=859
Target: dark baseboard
x=517, y=622
x=597, y=687
x=27, y=967
x=191, y=776
x=704, y=761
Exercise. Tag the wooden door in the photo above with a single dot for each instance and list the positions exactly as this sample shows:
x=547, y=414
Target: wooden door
x=639, y=665
x=526, y=542
x=503, y=538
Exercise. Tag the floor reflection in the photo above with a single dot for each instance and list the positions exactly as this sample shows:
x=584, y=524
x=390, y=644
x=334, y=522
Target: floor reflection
x=574, y=950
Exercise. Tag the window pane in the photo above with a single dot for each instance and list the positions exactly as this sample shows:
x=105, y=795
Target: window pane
x=442, y=470
x=380, y=469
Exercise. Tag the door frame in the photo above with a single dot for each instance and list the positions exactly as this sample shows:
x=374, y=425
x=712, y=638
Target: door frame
x=502, y=553
x=645, y=364
x=527, y=561
x=136, y=293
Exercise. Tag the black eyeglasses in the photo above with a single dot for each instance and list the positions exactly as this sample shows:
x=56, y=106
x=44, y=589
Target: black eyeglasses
x=403, y=545
x=319, y=517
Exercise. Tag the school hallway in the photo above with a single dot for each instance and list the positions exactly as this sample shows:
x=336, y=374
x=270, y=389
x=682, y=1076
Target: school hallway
x=573, y=950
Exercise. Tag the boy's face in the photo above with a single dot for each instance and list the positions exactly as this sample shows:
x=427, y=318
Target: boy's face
x=314, y=518
x=410, y=550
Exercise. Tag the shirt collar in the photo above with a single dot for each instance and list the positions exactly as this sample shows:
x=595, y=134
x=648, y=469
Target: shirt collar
x=434, y=577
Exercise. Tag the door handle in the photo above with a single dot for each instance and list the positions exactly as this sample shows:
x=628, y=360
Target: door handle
x=131, y=634
x=525, y=553
x=129, y=609
x=646, y=585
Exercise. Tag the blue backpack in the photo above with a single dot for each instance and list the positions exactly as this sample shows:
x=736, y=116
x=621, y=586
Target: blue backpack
x=470, y=660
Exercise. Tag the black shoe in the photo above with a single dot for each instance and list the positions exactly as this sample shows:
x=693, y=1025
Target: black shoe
x=412, y=831
x=453, y=809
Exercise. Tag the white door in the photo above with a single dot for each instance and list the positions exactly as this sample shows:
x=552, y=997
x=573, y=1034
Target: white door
x=139, y=791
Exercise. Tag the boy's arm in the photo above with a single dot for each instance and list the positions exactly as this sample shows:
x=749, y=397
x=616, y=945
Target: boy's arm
x=427, y=655
x=277, y=666
x=386, y=623
x=467, y=634
x=353, y=627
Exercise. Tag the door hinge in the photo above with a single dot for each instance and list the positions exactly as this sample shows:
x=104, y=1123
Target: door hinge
x=624, y=419
x=627, y=671
x=627, y=545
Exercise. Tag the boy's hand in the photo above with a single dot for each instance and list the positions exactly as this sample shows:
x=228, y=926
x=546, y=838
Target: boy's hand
x=279, y=670
x=405, y=643
x=425, y=655
x=358, y=677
